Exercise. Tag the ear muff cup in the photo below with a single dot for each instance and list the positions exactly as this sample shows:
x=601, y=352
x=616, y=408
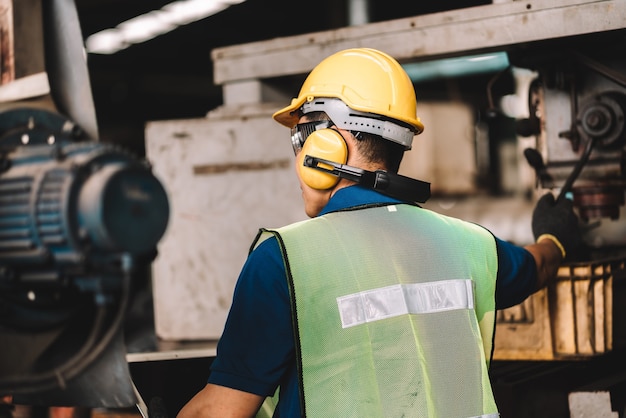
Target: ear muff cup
x=326, y=144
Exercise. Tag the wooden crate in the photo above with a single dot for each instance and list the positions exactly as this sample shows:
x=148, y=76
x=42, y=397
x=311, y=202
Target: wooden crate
x=578, y=316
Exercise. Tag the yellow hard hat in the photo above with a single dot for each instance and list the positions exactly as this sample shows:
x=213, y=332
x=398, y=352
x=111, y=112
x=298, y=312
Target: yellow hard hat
x=372, y=87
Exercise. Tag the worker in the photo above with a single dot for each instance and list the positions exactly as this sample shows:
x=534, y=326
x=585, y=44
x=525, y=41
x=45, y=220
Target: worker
x=375, y=306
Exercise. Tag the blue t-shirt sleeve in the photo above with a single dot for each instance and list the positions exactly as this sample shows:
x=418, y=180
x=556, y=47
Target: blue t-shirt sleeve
x=256, y=346
x=517, y=274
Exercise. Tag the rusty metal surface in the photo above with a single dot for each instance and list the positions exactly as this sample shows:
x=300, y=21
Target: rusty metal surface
x=7, y=65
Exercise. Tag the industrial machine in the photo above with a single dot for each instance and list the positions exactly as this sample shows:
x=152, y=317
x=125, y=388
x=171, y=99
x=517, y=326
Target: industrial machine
x=575, y=123
x=79, y=222
x=577, y=115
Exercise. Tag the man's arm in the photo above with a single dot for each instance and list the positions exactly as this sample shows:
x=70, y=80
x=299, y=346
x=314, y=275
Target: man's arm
x=548, y=258
x=215, y=401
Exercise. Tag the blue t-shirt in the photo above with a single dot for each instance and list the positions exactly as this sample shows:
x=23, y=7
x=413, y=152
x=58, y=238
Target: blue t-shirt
x=256, y=350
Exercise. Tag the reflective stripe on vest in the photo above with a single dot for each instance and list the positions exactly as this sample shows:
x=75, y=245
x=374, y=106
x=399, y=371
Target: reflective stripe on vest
x=416, y=298
x=394, y=313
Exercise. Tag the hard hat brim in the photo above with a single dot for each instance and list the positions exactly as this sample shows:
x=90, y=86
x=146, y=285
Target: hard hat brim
x=287, y=115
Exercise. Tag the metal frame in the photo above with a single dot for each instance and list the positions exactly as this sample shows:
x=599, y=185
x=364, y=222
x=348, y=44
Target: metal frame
x=481, y=28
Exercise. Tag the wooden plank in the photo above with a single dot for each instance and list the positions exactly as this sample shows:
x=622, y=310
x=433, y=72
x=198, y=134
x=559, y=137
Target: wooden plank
x=600, y=315
x=583, y=305
x=575, y=320
x=564, y=321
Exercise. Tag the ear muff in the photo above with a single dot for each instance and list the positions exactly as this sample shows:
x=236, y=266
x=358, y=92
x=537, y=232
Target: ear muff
x=326, y=144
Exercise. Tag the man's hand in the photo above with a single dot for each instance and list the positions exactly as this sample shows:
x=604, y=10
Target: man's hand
x=557, y=220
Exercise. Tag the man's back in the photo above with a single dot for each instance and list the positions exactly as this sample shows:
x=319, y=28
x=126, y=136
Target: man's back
x=385, y=295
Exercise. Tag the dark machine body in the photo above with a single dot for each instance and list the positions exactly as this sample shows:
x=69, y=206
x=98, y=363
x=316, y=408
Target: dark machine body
x=80, y=220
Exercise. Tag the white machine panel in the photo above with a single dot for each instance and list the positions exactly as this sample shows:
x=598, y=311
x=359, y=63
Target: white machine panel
x=226, y=175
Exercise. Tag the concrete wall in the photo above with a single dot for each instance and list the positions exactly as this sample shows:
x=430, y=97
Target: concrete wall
x=226, y=175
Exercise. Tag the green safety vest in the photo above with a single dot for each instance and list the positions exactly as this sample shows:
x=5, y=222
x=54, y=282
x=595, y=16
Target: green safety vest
x=394, y=313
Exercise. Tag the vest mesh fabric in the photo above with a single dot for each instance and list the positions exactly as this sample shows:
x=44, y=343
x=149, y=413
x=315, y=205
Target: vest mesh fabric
x=424, y=365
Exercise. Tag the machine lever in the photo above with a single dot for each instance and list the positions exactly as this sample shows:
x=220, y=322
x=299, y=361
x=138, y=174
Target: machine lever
x=577, y=169
x=536, y=161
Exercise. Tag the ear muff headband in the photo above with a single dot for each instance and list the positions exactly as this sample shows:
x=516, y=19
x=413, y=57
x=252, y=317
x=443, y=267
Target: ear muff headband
x=326, y=144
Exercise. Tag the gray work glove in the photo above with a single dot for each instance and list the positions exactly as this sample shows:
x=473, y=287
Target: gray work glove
x=557, y=219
